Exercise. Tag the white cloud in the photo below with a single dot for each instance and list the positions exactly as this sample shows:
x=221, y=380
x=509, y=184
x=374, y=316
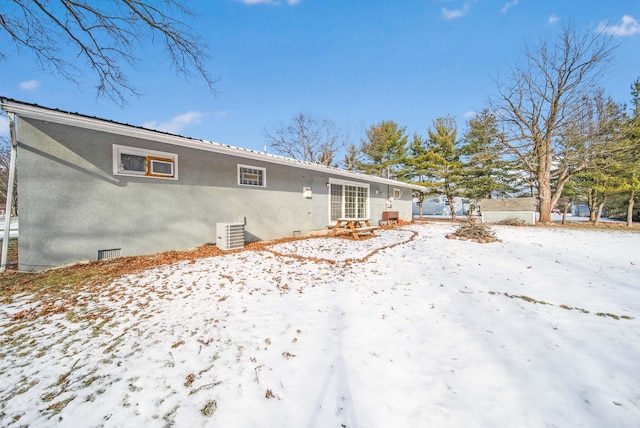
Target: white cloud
x=455, y=13
x=470, y=114
x=628, y=26
x=508, y=5
x=177, y=123
x=29, y=85
x=460, y=11
x=552, y=19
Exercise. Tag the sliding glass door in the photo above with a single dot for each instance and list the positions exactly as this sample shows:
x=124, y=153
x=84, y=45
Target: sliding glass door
x=348, y=200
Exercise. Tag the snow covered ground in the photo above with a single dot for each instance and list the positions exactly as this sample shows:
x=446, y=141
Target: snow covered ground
x=406, y=329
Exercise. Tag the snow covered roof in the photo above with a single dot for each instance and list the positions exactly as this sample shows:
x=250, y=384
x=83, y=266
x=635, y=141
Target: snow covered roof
x=34, y=111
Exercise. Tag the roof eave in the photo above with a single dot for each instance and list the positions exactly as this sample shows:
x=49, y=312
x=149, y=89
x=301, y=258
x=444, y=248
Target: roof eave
x=45, y=114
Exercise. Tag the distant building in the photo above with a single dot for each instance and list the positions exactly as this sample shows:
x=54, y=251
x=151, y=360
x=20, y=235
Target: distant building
x=521, y=210
x=580, y=210
x=439, y=205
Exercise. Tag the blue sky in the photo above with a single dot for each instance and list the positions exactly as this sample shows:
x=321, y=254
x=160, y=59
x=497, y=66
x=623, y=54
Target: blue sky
x=354, y=62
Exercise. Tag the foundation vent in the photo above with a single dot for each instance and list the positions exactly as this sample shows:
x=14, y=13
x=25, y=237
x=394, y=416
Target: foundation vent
x=109, y=254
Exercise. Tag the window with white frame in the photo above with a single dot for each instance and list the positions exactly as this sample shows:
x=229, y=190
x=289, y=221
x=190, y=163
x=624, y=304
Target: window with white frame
x=336, y=202
x=396, y=193
x=348, y=200
x=144, y=163
x=251, y=176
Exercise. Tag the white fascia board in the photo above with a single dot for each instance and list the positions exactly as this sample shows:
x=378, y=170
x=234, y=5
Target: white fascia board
x=65, y=118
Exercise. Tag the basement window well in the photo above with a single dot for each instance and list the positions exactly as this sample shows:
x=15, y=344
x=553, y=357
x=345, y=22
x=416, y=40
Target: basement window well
x=146, y=163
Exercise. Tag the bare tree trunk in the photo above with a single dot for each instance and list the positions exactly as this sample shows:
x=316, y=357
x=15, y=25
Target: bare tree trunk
x=545, y=209
x=546, y=100
x=544, y=181
x=630, y=209
x=562, y=181
x=591, y=202
x=599, y=213
x=565, y=211
x=451, y=207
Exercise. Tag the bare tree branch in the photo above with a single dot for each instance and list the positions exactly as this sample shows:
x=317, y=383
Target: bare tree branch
x=543, y=99
x=104, y=35
x=308, y=139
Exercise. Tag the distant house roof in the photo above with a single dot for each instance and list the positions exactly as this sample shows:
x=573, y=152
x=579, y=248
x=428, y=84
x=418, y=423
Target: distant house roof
x=34, y=111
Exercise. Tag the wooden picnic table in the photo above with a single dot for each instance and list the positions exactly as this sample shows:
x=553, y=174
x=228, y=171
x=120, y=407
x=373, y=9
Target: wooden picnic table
x=354, y=226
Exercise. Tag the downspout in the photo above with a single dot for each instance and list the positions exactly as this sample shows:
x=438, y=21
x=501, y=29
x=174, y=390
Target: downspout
x=10, y=185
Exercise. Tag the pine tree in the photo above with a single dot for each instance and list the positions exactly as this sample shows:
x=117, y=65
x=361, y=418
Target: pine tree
x=415, y=170
x=487, y=174
x=384, y=150
x=440, y=161
x=630, y=170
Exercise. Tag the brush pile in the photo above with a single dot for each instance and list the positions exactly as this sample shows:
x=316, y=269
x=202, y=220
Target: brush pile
x=474, y=231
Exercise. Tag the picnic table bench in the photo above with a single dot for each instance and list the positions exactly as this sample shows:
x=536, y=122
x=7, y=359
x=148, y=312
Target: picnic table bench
x=353, y=226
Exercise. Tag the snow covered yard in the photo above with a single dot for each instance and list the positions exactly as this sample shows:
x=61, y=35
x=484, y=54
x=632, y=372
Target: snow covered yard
x=405, y=329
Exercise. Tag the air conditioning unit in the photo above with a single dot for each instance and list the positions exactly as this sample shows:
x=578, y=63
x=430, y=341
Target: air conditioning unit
x=229, y=236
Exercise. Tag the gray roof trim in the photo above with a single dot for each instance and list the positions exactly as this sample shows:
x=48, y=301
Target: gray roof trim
x=34, y=111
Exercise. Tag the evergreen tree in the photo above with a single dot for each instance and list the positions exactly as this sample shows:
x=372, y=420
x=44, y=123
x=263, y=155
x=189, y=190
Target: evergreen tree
x=384, y=149
x=487, y=174
x=599, y=185
x=440, y=161
x=592, y=155
x=415, y=168
x=414, y=164
x=630, y=168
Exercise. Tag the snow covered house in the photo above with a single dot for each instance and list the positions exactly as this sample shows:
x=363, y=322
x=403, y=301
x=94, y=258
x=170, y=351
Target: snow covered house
x=91, y=188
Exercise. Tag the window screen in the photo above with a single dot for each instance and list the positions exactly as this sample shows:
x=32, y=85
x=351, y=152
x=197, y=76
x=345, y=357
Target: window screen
x=136, y=163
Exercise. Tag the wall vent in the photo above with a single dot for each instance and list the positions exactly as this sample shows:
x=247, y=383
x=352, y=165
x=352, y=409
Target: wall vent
x=109, y=254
